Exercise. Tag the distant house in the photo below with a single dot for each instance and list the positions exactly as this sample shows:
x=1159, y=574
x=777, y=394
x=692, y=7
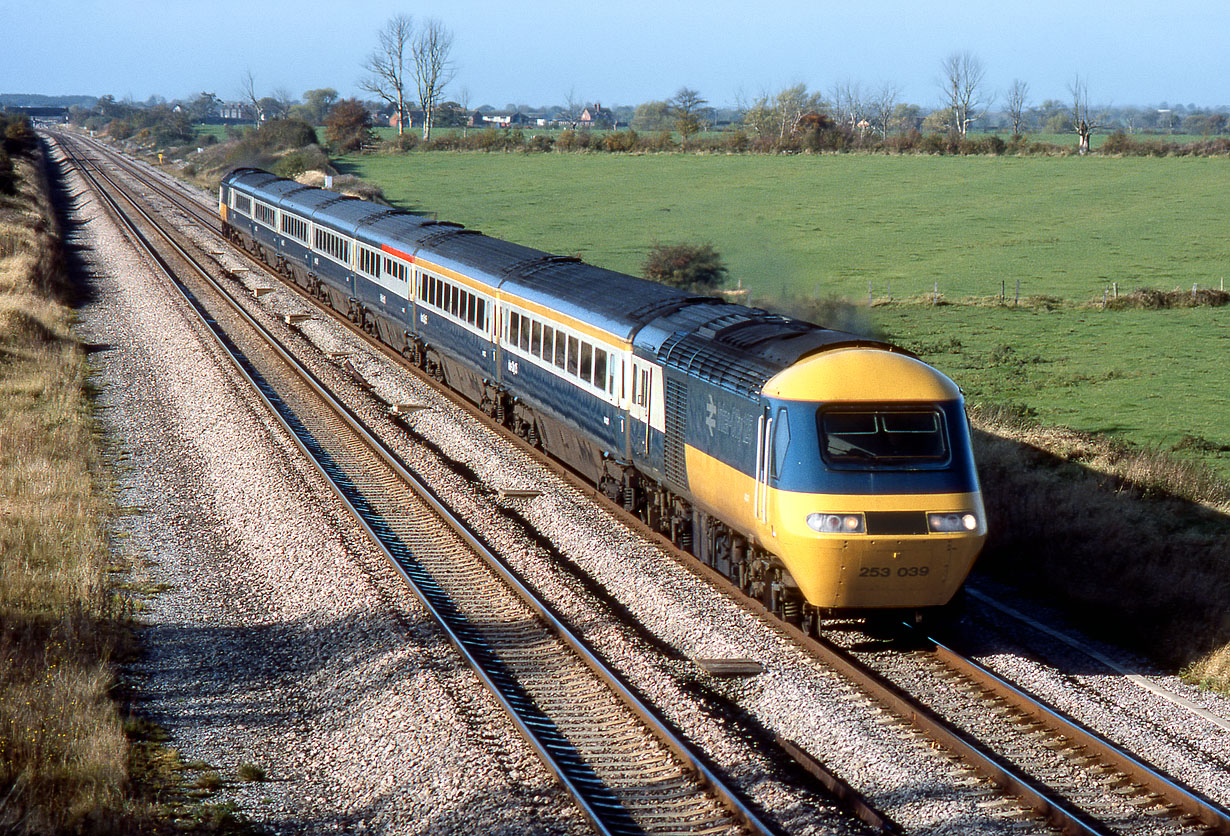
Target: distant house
x=596, y=117
x=236, y=112
x=495, y=119
x=413, y=117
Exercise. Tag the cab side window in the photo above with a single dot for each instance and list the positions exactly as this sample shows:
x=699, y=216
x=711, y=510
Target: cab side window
x=781, y=441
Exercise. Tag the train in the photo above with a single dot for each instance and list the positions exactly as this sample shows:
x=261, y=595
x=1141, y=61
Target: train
x=823, y=472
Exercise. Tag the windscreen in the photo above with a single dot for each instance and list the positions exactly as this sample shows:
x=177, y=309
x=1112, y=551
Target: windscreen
x=890, y=438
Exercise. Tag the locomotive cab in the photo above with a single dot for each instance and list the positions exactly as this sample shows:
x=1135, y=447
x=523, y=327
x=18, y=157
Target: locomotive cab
x=867, y=490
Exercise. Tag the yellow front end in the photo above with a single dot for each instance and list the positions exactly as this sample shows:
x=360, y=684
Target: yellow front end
x=853, y=571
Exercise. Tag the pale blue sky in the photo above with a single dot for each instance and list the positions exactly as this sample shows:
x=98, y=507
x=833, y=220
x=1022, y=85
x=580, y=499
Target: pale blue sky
x=623, y=52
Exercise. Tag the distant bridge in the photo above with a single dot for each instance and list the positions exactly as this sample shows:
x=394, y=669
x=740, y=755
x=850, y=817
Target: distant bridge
x=60, y=113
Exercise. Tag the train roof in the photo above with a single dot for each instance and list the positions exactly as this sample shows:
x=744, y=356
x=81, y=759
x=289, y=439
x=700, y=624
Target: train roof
x=736, y=347
x=733, y=346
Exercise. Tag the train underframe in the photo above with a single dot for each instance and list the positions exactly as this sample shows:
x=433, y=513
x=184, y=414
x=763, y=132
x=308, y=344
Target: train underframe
x=757, y=572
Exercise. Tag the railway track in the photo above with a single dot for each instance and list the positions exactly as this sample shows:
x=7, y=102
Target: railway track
x=1075, y=779
x=628, y=771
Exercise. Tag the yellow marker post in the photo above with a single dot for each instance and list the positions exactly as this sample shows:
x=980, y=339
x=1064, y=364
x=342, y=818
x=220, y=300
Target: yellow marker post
x=160, y=158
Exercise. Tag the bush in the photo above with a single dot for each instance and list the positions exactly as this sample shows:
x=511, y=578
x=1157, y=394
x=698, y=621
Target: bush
x=620, y=141
x=540, y=142
x=8, y=180
x=120, y=129
x=348, y=126
x=19, y=137
x=687, y=266
x=296, y=162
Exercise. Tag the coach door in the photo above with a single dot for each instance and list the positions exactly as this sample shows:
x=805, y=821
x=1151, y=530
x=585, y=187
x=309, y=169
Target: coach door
x=764, y=449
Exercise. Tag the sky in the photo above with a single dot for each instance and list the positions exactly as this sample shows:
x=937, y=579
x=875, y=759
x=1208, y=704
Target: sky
x=1130, y=52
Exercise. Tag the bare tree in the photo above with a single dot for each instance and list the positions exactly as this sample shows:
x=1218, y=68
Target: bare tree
x=849, y=103
x=285, y=100
x=433, y=69
x=573, y=107
x=463, y=99
x=789, y=105
x=248, y=90
x=1018, y=99
x=963, y=91
x=1082, y=122
x=882, y=106
x=386, y=66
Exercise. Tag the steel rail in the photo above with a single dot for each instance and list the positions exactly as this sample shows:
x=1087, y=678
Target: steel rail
x=1175, y=792
x=533, y=732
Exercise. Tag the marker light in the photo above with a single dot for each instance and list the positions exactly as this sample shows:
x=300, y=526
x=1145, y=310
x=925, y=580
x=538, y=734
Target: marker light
x=952, y=522
x=835, y=523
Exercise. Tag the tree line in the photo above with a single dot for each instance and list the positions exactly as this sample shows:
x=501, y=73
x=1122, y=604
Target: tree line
x=411, y=68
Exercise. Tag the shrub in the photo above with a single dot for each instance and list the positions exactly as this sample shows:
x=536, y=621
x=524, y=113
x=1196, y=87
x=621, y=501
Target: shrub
x=620, y=141
x=540, y=142
x=1117, y=143
x=348, y=126
x=8, y=180
x=19, y=137
x=303, y=159
x=687, y=266
x=662, y=141
x=737, y=142
x=120, y=129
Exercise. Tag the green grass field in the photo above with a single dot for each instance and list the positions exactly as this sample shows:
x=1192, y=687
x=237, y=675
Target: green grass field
x=814, y=226
x=1065, y=227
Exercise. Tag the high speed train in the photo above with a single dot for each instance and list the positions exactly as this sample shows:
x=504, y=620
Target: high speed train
x=822, y=471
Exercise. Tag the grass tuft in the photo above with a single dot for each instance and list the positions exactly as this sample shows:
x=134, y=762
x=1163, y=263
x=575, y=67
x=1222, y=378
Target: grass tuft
x=250, y=772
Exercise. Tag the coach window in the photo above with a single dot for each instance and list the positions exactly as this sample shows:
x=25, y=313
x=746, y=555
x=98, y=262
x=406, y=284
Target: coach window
x=600, y=370
x=536, y=338
x=472, y=310
x=561, y=349
x=587, y=362
x=548, y=343
x=514, y=328
x=573, y=356
x=481, y=315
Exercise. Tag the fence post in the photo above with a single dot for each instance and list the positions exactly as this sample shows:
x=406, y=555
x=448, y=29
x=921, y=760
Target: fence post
x=935, y=300
x=1018, y=293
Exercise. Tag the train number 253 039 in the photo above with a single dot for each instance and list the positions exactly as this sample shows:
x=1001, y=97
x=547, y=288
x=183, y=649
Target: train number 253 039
x=887, y=572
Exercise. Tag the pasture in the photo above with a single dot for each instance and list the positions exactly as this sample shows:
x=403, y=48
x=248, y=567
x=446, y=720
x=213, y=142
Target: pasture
x=1065, y=227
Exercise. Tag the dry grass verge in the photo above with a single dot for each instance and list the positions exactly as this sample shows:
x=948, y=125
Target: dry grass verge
x=1134, y=543
x=62, y=746
x=69, y=762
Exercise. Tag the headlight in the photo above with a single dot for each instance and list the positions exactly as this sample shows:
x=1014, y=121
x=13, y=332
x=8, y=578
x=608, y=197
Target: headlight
x=836, y=523
x=952, y=522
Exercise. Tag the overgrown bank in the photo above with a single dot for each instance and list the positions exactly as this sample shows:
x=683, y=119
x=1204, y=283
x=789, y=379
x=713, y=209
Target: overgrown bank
x=1131, y=542
x=63, y=751
x=71, y=759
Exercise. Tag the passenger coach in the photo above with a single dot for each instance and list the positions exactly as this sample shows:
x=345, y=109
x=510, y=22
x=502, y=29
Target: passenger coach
x=821, y=470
